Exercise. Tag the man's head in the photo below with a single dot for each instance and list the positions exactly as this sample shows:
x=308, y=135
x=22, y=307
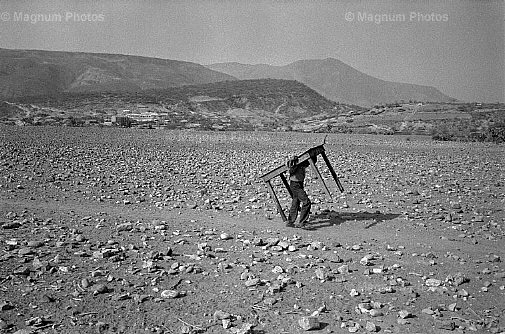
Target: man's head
x=292, y=161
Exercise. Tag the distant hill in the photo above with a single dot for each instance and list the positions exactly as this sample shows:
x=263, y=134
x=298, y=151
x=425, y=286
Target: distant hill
x=228, y=105
x=336, y=81
x=34, y=72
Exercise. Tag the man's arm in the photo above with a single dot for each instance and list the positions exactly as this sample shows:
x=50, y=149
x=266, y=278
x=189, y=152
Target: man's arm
x=292, y=164
x=304, y=164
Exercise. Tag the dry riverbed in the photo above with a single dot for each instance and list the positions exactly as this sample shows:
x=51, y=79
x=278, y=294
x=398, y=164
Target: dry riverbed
x=151, y=231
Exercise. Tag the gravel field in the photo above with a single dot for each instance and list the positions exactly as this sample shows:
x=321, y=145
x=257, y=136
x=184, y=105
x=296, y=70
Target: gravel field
x=109, y=230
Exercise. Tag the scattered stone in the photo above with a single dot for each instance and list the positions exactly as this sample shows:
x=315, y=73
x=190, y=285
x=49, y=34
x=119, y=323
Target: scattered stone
x=24, y=331
x=453, y=307
x=457, y=279
x=371, y=327
x=3, y=324
x=376, y=305
x=221, y=315
x=252, y=282
x=124, y=227
x=100, y=288
x=269, y=301
x=170, y=294
x=315, y=245
x=257, y=241
x=376, y=313
x=246, y=328
x=185, y=329
x=364, y=307
x=463, y=293
x=11, y=225
x=101, y=327
x=85, y=283
x=428, y=311
x=354, y=327
x=343, y=269
x=226, y=323
x=5, y=305
x=77, y=174
x=277, y=270
x=448, y=325
x=320, y=274
x=433, y=282
x=35, y=243
x=366, y=260
x=283, y=245
x=309, y=323
x=404, y=314
x=377, y=270
x=25, y=251
x=39, y=265
x=354, y=293
x=272, y=242
x=225, y=236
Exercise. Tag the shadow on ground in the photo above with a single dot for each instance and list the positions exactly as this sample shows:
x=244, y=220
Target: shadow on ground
x=331, y=218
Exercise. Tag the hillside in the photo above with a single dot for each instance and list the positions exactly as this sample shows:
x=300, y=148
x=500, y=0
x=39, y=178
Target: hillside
x=228, y=105
x=34, y=72
x=336, y=81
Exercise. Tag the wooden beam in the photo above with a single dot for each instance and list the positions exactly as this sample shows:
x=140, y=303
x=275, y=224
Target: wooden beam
x=286, y=184
x=276, y=200
x=301, y=158
x=315, y=150
x=270, y=175
x=316, y=171
x=335, y=177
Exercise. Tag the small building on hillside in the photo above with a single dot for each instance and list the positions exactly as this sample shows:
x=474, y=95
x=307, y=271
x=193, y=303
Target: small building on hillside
x=122, y=121
x=144, y=116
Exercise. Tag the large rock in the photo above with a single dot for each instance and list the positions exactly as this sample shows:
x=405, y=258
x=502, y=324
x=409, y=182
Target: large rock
x=309, y=323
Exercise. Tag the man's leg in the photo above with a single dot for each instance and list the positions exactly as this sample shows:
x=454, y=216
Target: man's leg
x=295, y=203
x=306, y=205
x=293, y=211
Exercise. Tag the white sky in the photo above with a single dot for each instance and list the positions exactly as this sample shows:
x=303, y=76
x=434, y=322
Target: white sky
x=463, y=55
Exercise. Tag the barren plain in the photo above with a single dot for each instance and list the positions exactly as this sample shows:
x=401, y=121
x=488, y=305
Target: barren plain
x=109, y=230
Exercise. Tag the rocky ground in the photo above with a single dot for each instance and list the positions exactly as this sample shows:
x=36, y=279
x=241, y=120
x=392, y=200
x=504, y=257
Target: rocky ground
x=155, y=231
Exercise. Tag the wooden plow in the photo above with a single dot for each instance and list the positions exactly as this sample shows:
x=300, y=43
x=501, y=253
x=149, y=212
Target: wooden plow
x=307, y=155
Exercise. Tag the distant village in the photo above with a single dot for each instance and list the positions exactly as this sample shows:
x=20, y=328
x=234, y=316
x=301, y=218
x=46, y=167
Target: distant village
x=138, y=115
x=470, y=120
x=141, y=116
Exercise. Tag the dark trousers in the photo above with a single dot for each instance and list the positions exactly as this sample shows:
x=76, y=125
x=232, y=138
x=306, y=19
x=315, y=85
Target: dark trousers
x=299, y=196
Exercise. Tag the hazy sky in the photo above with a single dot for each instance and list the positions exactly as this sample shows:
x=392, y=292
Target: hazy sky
x=455, y=45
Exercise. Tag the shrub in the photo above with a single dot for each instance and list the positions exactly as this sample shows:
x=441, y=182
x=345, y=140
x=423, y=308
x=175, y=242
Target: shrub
x=496, y=132
x=470, y=130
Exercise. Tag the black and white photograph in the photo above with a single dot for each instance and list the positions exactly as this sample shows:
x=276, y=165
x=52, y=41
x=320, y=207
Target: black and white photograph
x=252, y=166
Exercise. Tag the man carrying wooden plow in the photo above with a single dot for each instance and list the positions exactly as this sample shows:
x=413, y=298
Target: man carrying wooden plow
x=296, y=166
x=296, y=185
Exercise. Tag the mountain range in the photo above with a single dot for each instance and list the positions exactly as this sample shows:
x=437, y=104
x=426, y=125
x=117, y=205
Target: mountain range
x=336, y=81
x=35, y=72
